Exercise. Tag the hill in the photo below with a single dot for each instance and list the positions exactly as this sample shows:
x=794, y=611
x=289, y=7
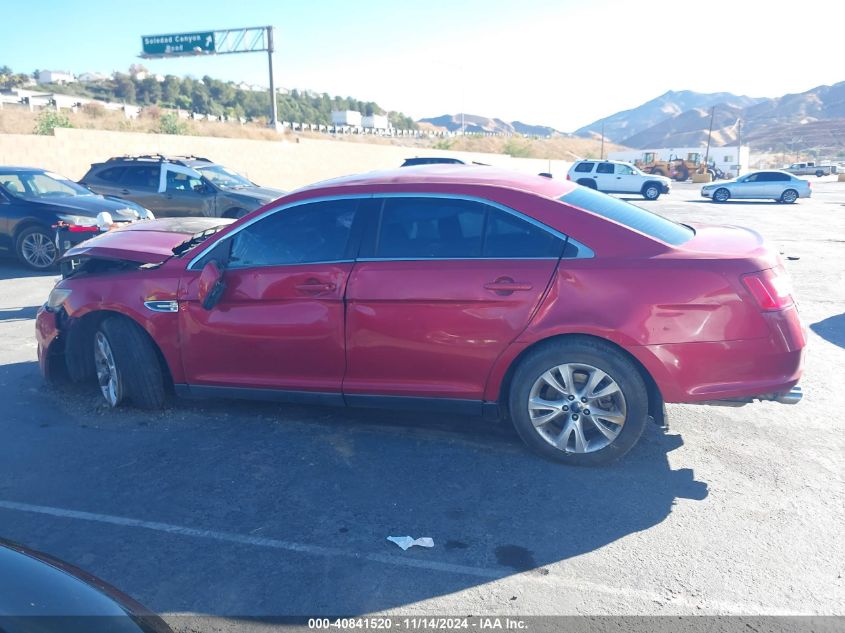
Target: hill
x=475, y=124
x=628, y=123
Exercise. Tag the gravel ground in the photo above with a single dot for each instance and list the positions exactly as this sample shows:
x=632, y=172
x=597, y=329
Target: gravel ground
x=242, y=509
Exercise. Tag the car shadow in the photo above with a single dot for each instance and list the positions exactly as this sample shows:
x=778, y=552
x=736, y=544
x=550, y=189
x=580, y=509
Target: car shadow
x=831, y=329
x=10, y=268
x=18, y=314
x=295, y=480
x=751, y=202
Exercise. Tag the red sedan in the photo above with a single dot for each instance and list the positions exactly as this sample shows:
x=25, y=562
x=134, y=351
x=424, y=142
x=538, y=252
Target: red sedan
x=463, y=288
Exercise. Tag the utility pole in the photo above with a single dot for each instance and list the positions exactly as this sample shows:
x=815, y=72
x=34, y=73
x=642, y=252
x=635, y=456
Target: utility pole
x=739, y=148
x=274, y=116
x=709, y=134
x=602, y=140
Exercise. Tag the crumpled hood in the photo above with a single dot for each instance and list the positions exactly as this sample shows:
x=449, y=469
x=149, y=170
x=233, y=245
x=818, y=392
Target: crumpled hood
x=90, y=206
x=147, y=242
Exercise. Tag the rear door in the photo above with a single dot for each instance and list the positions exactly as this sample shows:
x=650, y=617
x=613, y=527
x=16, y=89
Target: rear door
x=185, y=196
x=280, y=322
x=442, y=286
x=605, y=178
x=139, y=183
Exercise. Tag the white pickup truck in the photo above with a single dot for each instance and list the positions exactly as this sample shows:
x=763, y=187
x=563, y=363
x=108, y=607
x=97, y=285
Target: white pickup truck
x=810, y=169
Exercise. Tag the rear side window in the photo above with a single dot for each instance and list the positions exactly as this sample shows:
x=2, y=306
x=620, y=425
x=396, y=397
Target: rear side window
x=605, y=168
x=629, y=215
x=430, y=228
x=508, y=236
x=112, y=174
x=584, y=167
x=145, y=177
x=776, y=177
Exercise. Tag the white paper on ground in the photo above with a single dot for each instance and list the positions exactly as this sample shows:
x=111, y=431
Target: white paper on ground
x=406, y=541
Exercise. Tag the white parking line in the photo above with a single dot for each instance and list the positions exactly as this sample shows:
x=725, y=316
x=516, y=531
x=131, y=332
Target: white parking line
x=231, y=537
x=555, y=580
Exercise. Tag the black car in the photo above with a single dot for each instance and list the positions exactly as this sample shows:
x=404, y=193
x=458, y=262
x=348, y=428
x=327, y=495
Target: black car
x=44, y=594
x=174, y=186
x=34, y=201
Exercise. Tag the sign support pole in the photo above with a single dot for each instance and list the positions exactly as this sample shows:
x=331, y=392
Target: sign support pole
x=274, y=121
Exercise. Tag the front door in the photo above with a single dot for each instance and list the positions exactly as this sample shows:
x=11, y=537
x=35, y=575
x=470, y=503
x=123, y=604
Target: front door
x=442, y=287
x=280, y=321
x=185, y=196
x=626, y=180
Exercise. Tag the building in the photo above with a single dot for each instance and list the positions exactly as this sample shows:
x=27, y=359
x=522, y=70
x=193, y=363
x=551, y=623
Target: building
x=55, y=77
x=351, y=118
x=375, y=122
x=724, y=158
x=92, y=77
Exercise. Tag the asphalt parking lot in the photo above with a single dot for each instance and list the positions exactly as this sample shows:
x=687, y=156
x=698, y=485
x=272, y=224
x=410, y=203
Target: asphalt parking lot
x=242, y=509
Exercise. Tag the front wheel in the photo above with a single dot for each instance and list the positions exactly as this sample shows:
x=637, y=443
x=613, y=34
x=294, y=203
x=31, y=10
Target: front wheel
x=127, y=366
x=819, y=173
x=651, y=191
x=578, y=402
x=789, y=196
x=36, y=249
x=721, y=195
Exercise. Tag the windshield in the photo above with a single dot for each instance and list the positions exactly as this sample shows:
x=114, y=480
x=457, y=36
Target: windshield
x=630, y=215
x=36, y=185
x=224, y=177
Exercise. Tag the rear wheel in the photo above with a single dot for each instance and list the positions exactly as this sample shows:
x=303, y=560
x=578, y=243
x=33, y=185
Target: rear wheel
x=721, y=195
x=36, y=249
x=579, y=402
x=819, y=173
x=587, y=182
x=789, y=196
x=127, y=365
x=651, y=191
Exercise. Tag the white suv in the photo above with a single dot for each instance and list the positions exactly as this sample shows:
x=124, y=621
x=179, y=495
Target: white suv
x=613, y=176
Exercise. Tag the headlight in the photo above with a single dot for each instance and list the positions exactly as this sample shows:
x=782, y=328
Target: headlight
x=57, y=297
x=77, y=220
x=146, y=214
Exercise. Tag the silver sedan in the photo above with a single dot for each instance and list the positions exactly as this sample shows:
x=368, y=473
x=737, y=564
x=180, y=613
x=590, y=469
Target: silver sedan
x=772, y=185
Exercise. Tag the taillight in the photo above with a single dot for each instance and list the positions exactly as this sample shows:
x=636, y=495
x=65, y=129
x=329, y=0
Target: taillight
x=74, y=228
x=567, y=177
x=770, y=289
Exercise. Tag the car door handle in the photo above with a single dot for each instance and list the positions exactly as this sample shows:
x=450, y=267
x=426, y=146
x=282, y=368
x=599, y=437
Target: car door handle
x=125, y=192
x=506, y=286
x=312, y=286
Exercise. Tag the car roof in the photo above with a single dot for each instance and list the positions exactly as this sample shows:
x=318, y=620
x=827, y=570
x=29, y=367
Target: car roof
x=148, y=159
x=455, y=175
x=13, y=168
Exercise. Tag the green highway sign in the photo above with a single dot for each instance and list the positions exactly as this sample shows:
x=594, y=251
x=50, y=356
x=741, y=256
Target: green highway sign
x=176, y=44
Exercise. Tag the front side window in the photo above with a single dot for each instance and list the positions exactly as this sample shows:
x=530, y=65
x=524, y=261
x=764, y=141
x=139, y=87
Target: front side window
x=584, y=167
x=307, y=233
x=624, y=170
x=629, y=215
x=605, y=168
x=177, y=182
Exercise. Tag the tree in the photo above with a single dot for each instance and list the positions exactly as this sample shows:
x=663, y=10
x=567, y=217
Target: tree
x=124, y=88
x=149, y=91
x=170, y=88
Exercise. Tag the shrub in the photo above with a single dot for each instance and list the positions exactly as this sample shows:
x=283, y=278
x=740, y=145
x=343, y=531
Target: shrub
x=48, y=120
x=169, y=123
x=93, y=109
x=516, y=149
x=151, y=112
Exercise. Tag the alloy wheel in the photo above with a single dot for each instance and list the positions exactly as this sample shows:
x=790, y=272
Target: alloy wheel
x=38, y=250
x=721, y=195
x=577, y=408
x=789, y=196
x=107, y=375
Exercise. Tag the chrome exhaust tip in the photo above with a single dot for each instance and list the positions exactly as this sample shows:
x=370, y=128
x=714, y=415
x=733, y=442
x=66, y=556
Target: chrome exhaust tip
x=793, y=396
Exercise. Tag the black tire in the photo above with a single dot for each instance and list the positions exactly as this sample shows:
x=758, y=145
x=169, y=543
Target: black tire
x=789, y=196
x=717, y=194
x=656, y=171
x=819, y=173
x=138, y=367
x=236, y=213
x=651, y=191
x=682, y=175
x=587, y=182
x=36, y=237
x=598, y=355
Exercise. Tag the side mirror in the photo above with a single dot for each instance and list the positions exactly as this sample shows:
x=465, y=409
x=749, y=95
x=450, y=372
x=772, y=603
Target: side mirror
x=211, y=285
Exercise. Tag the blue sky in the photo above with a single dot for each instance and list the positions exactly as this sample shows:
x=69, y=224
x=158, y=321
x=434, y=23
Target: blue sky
x=559, y=63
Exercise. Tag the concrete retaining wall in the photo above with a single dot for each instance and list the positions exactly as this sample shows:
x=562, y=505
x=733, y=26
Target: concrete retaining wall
x=284, y=164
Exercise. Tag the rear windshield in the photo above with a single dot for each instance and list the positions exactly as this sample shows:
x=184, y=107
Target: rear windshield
x=630, y=215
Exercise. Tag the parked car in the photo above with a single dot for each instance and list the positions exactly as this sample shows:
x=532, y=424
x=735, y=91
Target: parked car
x=810, y=169
x=775, y=185
x=33, y=202
x=613, y=176
x=431, y=160
x=482, y=291
x=41, y=593
x=179, y=186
